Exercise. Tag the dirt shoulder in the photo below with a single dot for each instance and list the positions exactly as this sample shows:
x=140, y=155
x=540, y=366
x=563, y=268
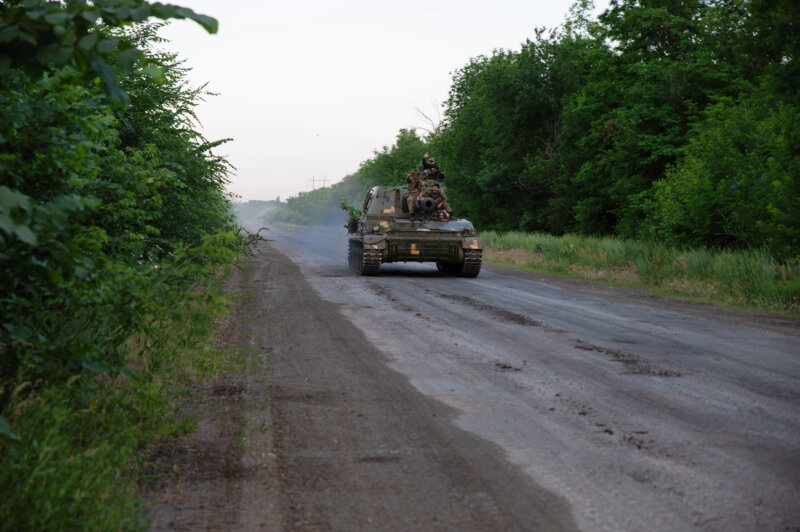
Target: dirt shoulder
x=321, y=434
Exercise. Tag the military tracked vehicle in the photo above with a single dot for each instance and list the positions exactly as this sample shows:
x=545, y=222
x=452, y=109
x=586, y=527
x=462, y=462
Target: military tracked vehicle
x=387, y=232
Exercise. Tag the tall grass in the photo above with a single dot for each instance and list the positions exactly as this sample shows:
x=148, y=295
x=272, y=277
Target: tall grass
x=76, y=464
x=748, y=278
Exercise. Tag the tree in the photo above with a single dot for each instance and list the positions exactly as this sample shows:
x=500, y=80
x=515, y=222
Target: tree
x=38, y=35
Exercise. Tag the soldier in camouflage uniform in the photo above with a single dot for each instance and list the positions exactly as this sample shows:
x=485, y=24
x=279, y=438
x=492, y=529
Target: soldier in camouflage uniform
x=415, y=190
x=440, y=198
x=431, y=170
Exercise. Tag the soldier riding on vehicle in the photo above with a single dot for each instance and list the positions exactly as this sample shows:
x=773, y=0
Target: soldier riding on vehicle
x=430, y=169
x=415, y=190
x=438, y=195
x=387, y=231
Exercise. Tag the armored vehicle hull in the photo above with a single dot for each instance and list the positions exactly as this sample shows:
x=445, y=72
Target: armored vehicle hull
x=387, y=232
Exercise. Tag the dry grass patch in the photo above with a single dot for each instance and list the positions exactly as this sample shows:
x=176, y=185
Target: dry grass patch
x=616, y=274
x=518, y=257
x=699, y=289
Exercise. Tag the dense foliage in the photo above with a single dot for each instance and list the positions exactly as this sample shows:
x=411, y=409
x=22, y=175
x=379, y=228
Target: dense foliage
x=38, y=35
x=657, y=119
x=113, y=219
x=669, y=119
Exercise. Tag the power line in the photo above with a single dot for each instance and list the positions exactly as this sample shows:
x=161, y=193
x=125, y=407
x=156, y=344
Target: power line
x=323, y=180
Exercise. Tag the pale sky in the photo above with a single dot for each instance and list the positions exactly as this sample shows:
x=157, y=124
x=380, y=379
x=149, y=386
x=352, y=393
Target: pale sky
x=309, y=88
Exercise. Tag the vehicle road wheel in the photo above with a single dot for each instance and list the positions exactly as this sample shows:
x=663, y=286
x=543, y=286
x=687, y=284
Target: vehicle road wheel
x=471, y=266
x=364, y=262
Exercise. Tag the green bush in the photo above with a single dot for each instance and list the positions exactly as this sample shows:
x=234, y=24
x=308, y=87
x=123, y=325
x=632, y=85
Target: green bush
x=738, y=183
x=114, y=231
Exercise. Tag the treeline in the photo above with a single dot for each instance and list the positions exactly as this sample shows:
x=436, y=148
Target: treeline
x=388, y=166
x=114, y=226
x=677, y=121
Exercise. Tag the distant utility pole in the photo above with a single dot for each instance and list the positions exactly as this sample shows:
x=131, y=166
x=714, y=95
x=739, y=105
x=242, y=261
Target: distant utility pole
x=314, y=180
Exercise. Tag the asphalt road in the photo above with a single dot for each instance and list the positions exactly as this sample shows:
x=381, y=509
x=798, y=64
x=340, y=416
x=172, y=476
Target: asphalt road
x=622, y=411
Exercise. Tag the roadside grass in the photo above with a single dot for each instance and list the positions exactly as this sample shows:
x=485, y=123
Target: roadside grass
x=85, y=438
x=744, y=278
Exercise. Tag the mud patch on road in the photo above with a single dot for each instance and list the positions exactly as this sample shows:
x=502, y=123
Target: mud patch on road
x=178, y=460
x=638, y=440
x=379, y=459
x=227, y=390
x=194, y=480
x=501, y=313
x=311, y=397
x=634, y=365
x=502, y=366
x=381, y=291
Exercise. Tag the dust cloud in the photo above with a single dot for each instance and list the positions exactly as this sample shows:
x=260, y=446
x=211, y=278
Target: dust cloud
x=252, y=214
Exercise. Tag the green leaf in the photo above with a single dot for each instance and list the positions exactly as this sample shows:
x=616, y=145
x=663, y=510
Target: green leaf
x=127, y=58
x=63, y=55
x=9, y=33
x=107, y=74
x=11, y=201
x=210, y=24
x=153, y=71
x=46, y=53
x=128, y=374
x=118, y=95
x=60, y=31
x=34, y=14
x=59, y=17
x=140, y=13
x=163, y=11
x=94, y=367
x=91, y=16
x=106, y=46
x=28, y=37
x=122, y=13
x=26, y=235
x=5, y=430
x=88, y=41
